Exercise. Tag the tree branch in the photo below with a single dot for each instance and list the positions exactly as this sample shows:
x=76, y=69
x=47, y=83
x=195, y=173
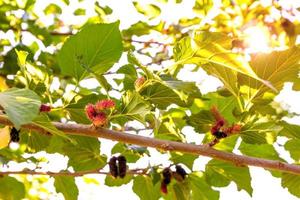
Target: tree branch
x=204, y=150
x=66, y=173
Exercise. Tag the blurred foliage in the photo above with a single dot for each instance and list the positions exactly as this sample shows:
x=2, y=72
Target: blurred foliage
x=68, y=62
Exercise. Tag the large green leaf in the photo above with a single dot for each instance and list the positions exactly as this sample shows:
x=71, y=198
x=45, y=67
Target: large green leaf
x=292, y=183
x=200, y=188
x=91, y=51
x=220, y=173
x=277, y=67
x=143, y=187
x=20, y=105
x=66, y=185
x=85, y=155
x=11, y=189
x=204, y=49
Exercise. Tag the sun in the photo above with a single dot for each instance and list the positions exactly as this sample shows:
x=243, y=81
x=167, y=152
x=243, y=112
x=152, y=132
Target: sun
x=257, y=39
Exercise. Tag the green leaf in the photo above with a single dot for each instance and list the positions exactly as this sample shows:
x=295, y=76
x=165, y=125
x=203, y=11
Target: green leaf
x=292, y=183
x=220, y=174
x=277, y=67
x=203, y=50
x=85, y=155
x=52, y=9
x=91, y=51
x=11, y=189
x=112, y=182
x=200, y=188
x=142, y=28
x=168, y=131
x=259, y=151
x=293, y=147
x=202, y=121
x=184, y=89
x=22, y=56
x=79, y=11
x=178, y=191
x=103, y=82
x=289, y=130
x=203, y=6
x=143, y=187
x=66, y=185
x=132, y=153
x=187, y=159
x=11, y=65
x=260, y=132
x=76, y=109
x=34, y=141
x=149, y=10
x=56, y=145
x=226, y=75
x=45, y=123
x=225, y=105
x=133, y=106
x=20, y=105
x=130, y=76
x=161, y=95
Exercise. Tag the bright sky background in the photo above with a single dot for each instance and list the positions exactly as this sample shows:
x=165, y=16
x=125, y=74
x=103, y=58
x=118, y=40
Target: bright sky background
x=264, y=185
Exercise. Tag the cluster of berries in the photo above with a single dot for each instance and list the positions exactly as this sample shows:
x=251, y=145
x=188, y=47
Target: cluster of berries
x=219, y=129
x=99, y=112
x=117, y=166
x=167, y=174
x=14, y=135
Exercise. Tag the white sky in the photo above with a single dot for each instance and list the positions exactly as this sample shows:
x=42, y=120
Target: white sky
x=264, y=185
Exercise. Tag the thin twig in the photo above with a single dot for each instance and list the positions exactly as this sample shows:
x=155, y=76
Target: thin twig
x=66, y=173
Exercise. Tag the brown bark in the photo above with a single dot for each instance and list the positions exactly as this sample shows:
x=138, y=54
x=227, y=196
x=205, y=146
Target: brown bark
x=204, y=150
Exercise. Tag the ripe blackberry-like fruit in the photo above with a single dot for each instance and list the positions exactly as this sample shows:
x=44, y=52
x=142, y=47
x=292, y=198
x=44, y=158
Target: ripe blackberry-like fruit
x=14, y=135
x=164, y=188
x=45, y=108
x=167, y=175
x=180, y=173
x=122, y=166
x=219, y=134
x=113, y=168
